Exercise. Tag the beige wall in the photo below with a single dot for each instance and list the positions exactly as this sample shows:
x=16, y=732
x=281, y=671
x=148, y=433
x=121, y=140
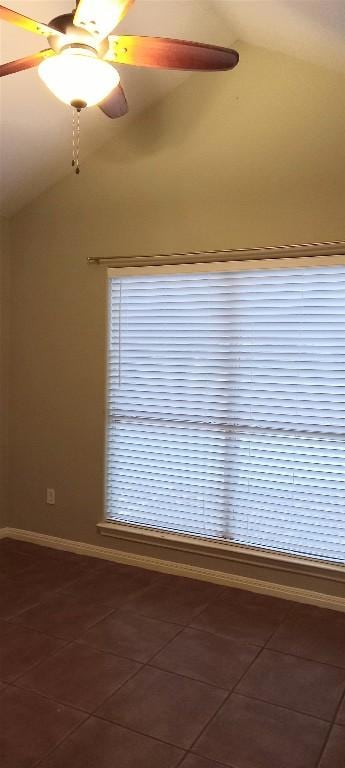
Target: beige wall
x=248, y=158
x=4, y=338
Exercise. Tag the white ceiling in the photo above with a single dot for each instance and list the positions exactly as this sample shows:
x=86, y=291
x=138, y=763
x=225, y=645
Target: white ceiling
x=36, y=128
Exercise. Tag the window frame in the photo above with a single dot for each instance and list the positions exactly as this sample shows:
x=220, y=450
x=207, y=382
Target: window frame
x=190, y=543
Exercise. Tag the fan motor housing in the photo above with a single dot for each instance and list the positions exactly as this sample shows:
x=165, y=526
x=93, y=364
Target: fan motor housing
x=76, y=35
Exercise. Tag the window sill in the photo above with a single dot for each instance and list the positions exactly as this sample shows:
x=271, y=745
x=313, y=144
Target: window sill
x=222, y=551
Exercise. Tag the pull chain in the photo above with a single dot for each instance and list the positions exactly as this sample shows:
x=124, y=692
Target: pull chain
x=76, y=139
x=73, y=138
x=77, y=151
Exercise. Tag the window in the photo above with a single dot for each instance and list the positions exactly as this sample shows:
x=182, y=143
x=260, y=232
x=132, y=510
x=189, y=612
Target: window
x=226, y=395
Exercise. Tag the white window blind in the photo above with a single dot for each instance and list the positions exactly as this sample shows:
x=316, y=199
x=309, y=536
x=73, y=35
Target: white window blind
x=226, y=406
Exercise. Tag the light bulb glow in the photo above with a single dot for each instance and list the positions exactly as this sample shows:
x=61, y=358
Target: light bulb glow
x=77, y=75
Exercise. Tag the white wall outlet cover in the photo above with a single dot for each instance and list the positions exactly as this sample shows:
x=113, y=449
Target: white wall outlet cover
x=50, y=496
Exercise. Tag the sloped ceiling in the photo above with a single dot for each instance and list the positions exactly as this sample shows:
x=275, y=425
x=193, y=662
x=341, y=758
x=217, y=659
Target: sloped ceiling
x=36, y=128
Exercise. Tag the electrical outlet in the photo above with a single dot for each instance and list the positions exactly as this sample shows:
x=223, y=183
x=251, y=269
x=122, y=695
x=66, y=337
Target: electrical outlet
x=50, y=496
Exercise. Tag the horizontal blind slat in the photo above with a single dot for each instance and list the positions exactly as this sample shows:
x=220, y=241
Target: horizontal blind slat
x=226, y=406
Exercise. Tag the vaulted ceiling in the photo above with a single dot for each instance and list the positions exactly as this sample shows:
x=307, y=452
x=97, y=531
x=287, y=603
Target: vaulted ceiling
x=36, y=128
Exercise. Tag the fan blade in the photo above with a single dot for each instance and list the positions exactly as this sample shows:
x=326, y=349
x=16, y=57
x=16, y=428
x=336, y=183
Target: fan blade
x=115, y=105
x=165, y=53
x=101, y=16
x=25, y=23
x=26, y=63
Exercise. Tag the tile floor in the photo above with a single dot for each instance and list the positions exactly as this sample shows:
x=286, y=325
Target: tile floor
x=107, y=666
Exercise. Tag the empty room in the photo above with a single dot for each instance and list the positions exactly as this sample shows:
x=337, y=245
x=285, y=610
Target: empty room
x=172, y=384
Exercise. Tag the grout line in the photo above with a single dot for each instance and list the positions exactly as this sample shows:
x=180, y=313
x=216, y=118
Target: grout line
x=140, y=733
x=148, y=665
x=56, y=637
x=324, y=745
x=188, y=677
x=21, y=625
x=77, y=708
x=144, y=614
x=47, y=598
x=13, y=621
x=281, y=706
x=216, y=713
x=216, y=763
x=14, y=618
x=234, y=688
x=259, y=649
x=332, y=724
x=172, y=640
x=114, y=614
x=64, y=645
x=42, y=760
x=306, y=658
x=238, y=681
x=341, y=702
x=97, y=716
x=269, y=648
x=53, y=699
x=123, y=606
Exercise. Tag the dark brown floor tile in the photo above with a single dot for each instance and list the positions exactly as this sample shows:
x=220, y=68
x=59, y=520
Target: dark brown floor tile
x=16, y=596
x=12, y=562
x=289, y=681
x=97, y=744
x=51, y=574
x=88, y=562
x=244, y=616
x=5, y=626
x=175, y=599
x=341, y=714
x=131, y=635
x=39, y=552
x=334, y=754
x=64, y=616
x=252, y=734
x=5, y=543
x=31, y=726
x=22, y=648
x=203, y=656
x=113, y=587
x=79, y=676
x=192, y=761
x=163, y=705
x=315, y=633
x=27, y=548
x=112, y=567
x=5, y=582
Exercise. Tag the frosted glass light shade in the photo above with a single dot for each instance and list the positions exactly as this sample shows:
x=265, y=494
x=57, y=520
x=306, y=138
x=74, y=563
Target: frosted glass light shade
x=77, y=75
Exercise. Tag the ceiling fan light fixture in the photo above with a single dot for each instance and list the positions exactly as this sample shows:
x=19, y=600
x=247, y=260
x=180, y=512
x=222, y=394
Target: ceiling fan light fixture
x=78, y=76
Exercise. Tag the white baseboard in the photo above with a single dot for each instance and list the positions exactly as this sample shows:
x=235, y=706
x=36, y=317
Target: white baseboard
x=179, y=569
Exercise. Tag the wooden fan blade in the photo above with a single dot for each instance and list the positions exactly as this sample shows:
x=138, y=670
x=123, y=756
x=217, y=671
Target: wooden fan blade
x=165, y=53
x=101, y=16
x=25, y=23
x=26, y=63
x=115, y=105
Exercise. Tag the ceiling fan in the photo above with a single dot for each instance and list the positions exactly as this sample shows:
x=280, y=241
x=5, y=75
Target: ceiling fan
x=80, y=65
